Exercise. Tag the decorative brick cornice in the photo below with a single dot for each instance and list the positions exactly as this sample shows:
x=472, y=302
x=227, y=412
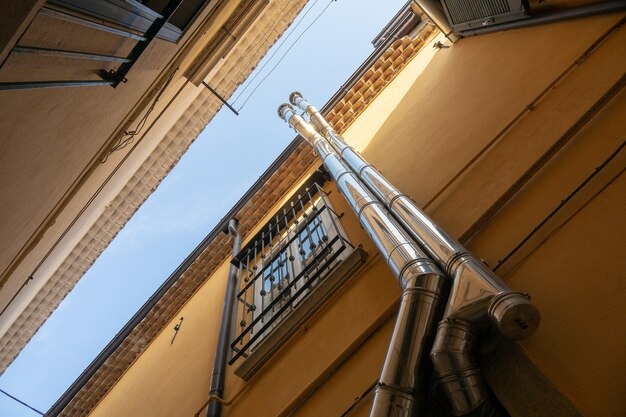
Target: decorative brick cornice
x=375, y=79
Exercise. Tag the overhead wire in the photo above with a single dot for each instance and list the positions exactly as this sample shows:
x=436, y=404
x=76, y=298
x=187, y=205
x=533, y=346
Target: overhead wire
x=253, y=55
x=280, y=45
x=261, y=40
x=121, y=143
x=286, y=52
x=129, y=135
x=20, y=401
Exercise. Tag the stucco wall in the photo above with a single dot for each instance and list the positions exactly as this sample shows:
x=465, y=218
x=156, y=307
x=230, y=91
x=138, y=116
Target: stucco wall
x=173, y=379
x=446, y=144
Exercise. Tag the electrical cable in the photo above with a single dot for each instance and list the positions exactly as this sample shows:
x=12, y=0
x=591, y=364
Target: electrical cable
x=282, y=42
x=262, y=40
x=285, y=54
x=117, y=147
x=129, y=135
x=21, y=402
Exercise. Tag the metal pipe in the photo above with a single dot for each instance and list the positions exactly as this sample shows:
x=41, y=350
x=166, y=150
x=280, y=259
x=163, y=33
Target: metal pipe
x=434, y=11
x=406, y=369
x=221, y=352
x=61, y=53
x=26, y=85
x=478, y=295
x=559, y=16
x=220, y=98
x=45, y=11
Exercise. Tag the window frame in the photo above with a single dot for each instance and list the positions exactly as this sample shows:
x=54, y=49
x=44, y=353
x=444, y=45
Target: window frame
x=254, y=319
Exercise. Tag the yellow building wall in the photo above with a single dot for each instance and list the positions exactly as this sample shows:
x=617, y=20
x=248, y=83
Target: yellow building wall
x=50, y=159
x=172, y=379
x=461, y=141
x=444, y=141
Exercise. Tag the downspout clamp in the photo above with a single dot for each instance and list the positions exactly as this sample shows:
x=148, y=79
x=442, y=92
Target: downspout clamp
x=478, y=296
x=221, y=353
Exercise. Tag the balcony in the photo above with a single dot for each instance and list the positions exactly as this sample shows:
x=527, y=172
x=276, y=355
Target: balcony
x=286, y=273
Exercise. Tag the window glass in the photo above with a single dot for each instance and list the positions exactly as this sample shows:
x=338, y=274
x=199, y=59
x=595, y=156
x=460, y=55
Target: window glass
x=310, y=239
x=275, y=273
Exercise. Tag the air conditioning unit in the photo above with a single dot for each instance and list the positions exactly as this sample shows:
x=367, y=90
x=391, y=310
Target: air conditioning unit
x=472, y=14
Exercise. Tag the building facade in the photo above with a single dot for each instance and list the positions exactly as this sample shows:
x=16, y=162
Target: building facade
x=512, y=141
x=79, y=157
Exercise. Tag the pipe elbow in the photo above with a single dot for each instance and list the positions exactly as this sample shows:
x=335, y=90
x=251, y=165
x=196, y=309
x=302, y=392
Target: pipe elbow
x=453, y=362
x=425, y=276
x=451, y=352
x=232, y=227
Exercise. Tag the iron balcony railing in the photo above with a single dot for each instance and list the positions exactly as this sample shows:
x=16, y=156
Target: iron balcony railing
x=293, y=252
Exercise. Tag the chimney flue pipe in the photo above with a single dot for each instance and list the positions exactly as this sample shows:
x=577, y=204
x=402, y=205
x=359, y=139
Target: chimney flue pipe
x=478, y=296
x=406, y=370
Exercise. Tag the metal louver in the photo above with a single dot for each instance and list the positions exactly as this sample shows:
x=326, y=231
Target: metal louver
x=470, y=14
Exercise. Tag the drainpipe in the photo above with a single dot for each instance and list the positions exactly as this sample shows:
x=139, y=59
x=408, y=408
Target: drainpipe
x=221, y=354
x=406, y=371
x=478, y=296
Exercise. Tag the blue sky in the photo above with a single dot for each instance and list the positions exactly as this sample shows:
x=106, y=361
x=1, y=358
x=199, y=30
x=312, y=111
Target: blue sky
x=226, y=159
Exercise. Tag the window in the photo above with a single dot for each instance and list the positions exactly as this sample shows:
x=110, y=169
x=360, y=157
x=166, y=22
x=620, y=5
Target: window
x=283, y=264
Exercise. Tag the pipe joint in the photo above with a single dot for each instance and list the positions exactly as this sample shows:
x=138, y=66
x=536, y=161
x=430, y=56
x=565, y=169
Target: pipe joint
x=393, y=401
x=343, y=150
x=323, y=147
x=478, y=295
x=424, y=277
x=419, y=266
x=363, y=204
x=364, y=165
x=474, y=286
x=456, y=260
x=458, y=373
x=415, y=272
x=334, y=166
x=352, y=158
x=514, y=316
x=394, y=195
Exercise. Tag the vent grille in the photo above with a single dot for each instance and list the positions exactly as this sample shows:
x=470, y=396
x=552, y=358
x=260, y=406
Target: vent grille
x=467, y=10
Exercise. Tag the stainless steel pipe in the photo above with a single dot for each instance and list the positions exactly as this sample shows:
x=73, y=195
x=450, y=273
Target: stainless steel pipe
x=477, y=296
x=406, y=369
